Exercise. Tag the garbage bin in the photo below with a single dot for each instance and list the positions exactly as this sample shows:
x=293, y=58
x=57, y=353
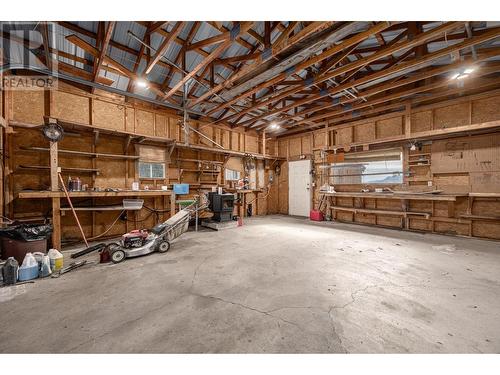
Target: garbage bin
x=17, y=240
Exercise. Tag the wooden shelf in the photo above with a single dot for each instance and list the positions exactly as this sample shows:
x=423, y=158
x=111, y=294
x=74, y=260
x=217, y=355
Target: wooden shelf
x=43, y=168
x=97, y=208
x=380, y=212
x=480, y=217
x=200, y=170
x=83, y=153
x=420, y=154
x=41, y=194
x=200, y=161
x=425, y=197
x=418, y=165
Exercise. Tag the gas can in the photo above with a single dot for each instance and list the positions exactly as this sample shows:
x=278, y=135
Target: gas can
x=10, y=270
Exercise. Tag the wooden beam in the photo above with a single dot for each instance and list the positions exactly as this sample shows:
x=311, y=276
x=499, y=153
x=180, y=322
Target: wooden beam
x=243, y=27
x=46, y=44
x=354, y=40
x=104, y=47
x=121, y=68
x=257, y=63
x=402, y=82
x=404, y=67
x=164, y=46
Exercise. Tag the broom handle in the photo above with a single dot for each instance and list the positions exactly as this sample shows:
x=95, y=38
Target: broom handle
x=73, y=209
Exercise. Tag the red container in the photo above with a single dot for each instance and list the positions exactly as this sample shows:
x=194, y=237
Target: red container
x=316, y=215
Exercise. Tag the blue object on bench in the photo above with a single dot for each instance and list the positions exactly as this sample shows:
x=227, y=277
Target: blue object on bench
x=181, y=188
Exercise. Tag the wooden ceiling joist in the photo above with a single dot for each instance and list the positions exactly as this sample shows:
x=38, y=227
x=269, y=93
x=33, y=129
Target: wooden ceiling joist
x=229, y=37
x=104, y=47
x=164, y=46
x=400, y=68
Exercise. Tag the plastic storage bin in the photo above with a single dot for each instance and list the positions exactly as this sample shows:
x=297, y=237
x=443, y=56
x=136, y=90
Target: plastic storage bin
x=133, y=204
x=181, y=188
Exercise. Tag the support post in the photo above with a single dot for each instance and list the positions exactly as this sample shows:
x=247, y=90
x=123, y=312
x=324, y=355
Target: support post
x=264, y=143
x=172, y=204
x=56, y=201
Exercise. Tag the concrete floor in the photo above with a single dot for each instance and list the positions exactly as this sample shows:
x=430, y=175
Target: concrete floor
x=276, y=285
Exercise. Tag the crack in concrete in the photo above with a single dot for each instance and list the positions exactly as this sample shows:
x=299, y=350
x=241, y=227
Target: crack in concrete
x=247, y=307
x=195, y=273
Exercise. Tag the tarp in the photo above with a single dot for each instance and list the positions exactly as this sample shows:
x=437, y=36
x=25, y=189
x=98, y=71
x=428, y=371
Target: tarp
x=27, y=232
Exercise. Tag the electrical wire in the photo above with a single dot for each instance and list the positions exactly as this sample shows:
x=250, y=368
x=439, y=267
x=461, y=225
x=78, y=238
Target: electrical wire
x=109, y=228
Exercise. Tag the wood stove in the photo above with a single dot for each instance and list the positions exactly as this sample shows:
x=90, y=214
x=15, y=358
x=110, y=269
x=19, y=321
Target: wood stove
x=221, y=205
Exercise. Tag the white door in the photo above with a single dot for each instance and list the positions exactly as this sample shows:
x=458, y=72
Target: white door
x=299, y=188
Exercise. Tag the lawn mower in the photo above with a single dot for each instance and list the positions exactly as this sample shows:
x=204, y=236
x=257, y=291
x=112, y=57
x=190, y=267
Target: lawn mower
x=142, y=242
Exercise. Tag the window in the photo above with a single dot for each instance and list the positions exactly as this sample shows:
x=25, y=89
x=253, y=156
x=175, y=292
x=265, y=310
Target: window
x=371, y=167
x=151, y=170
x=231, y=175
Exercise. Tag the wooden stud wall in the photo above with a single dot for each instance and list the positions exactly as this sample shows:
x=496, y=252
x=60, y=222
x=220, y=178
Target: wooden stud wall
x=106, y=114
x=459, y=163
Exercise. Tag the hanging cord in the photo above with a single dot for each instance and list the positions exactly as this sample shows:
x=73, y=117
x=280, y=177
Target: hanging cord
x=109, y=228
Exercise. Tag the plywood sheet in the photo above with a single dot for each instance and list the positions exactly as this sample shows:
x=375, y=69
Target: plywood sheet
x=319, y=138
x=70, y=107
x=235, y=141
x=421, y=121
x=451, y=116
x=130, y=119
x=283, y=148
x=389, y=127
x=144, y=122
x=364, y=132
x=28, y=106
x=161, y=127
x=295, y=146
x=306, y=144
x=108, y=115
x=485, y=182
x=251, y=144
x=485, y=110
x=343, y=136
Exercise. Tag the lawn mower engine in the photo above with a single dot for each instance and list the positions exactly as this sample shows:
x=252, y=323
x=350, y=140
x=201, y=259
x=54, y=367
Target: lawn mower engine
x=135, y=238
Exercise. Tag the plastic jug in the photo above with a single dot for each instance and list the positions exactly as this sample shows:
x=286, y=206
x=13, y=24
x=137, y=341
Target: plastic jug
x=45, y=268
x=10, y=270
x=39, y=257
x=29, y=268
x=56, y=260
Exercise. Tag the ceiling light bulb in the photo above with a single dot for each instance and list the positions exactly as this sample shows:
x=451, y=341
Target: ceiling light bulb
x=462, y=76
x=468, y=70
x=141, y=83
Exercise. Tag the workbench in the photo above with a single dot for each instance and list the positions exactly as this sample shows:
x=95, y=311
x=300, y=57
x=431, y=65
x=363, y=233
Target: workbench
x=404, y=213
x=242, y=198
x=56, y=196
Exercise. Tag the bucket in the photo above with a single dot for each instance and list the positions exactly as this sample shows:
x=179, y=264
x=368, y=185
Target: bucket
x=56, y=260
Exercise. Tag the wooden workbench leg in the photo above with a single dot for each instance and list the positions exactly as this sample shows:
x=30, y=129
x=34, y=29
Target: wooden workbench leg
x=328, y=207
x=56, y=223
x=451, y=209
x=172, y=204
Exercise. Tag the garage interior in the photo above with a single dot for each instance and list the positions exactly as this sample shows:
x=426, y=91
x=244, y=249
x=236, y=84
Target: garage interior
x=250, y=186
